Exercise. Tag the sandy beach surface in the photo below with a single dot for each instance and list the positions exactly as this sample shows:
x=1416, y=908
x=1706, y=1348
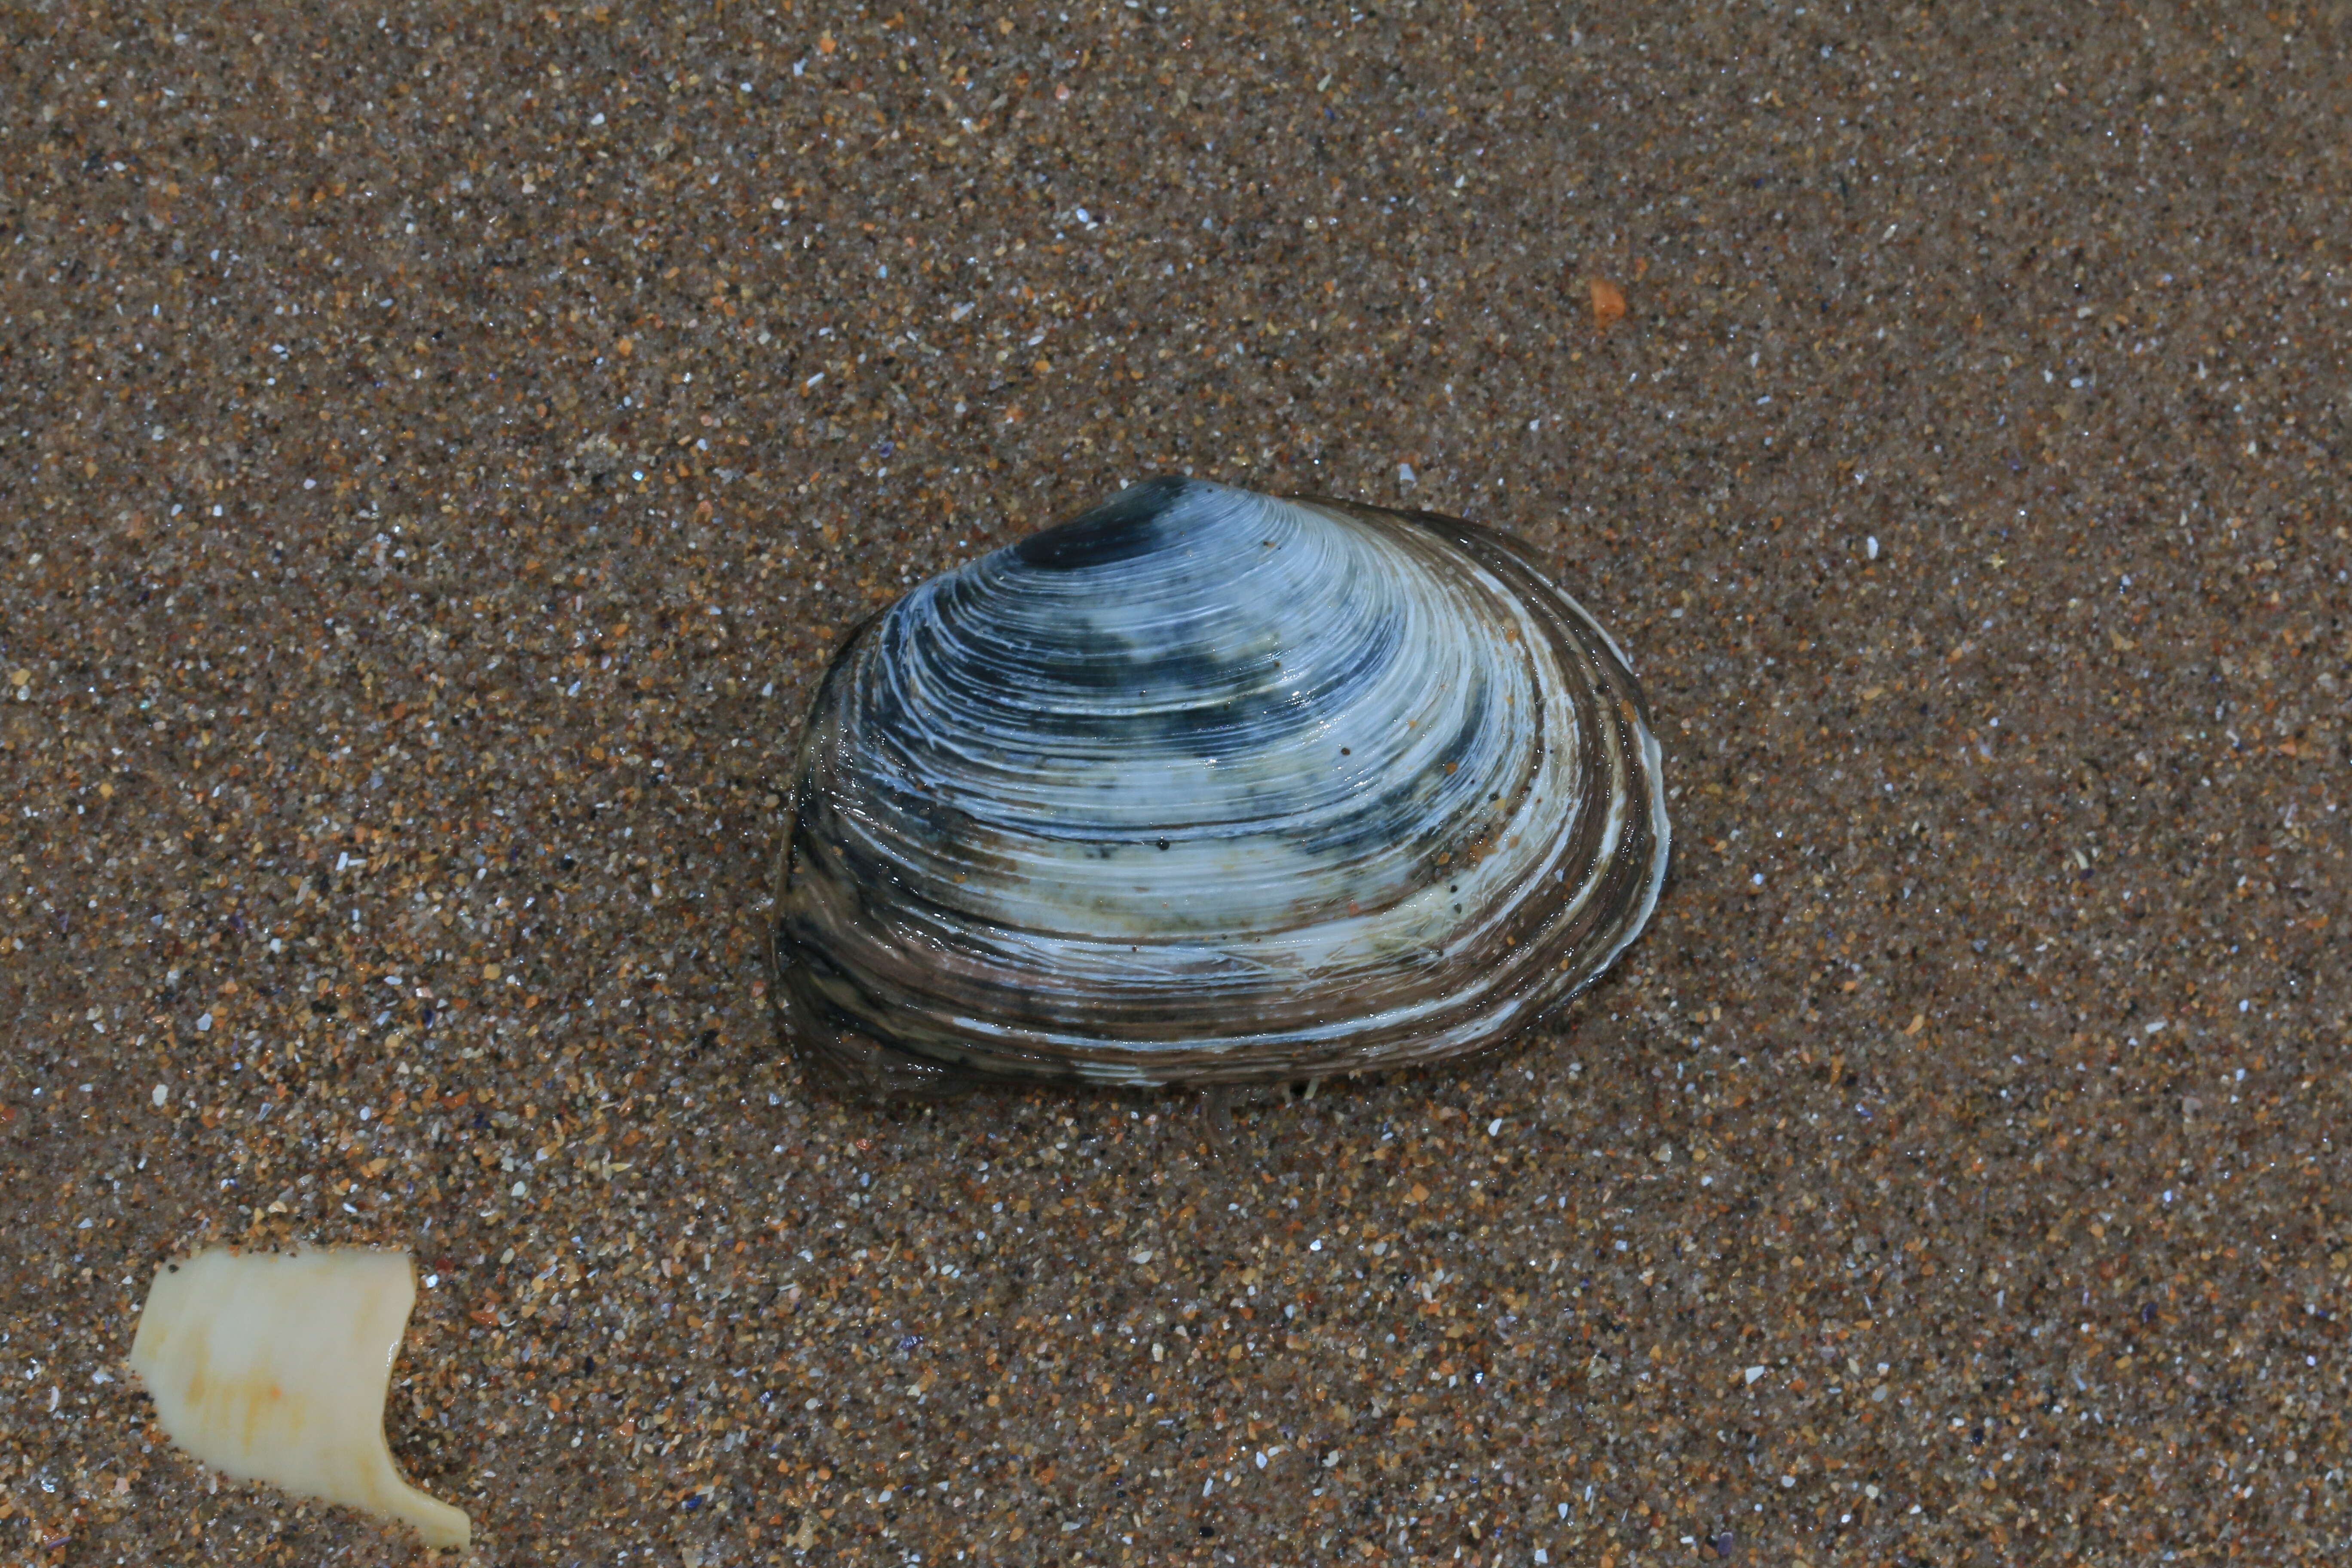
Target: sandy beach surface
x=439, y=446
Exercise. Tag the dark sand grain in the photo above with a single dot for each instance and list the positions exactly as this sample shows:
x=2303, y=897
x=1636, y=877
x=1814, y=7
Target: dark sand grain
x=437, y=454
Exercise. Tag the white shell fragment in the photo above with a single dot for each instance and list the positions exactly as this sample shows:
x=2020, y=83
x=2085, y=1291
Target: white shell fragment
x=274, y=1368
x=1209, y=785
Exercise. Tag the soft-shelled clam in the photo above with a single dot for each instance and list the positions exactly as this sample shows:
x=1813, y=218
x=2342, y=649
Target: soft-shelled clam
x=1212, y=786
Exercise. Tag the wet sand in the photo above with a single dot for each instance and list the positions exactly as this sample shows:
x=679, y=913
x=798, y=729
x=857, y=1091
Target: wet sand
x=439, y=454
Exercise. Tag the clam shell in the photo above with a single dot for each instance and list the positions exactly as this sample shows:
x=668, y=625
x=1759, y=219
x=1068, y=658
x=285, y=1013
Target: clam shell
x=1209, y=785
